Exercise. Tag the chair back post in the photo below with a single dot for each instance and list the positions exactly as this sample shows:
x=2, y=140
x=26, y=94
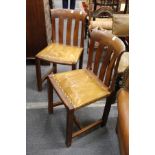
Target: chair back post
x=68, y=16
x=104, y=63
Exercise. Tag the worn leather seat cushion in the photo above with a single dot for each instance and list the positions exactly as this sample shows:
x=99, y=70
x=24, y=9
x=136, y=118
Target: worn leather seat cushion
x=80, y=87
x=102, y=23
x=60, y=53
x=120, y=25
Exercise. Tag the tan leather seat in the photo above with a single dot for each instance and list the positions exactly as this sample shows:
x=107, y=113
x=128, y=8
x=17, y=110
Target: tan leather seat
x=120, y=26
x=101, y=23
x=75, y=84
x=60, y=53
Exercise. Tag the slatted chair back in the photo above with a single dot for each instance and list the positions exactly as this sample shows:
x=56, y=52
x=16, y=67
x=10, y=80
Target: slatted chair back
x=104, y=62
x=67, y=17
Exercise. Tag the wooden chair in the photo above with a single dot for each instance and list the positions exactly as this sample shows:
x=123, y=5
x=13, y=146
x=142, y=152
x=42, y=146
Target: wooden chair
x=82, y=87
x=60, y=52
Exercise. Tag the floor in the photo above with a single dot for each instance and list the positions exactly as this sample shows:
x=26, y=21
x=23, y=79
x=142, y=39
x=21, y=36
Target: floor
x=46, y=133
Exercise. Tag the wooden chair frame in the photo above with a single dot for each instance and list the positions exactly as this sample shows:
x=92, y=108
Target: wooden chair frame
x=69, y=15
x=106, y=75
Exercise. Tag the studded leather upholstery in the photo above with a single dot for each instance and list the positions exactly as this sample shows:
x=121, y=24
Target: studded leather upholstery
x=60, y=53
x=81, y=87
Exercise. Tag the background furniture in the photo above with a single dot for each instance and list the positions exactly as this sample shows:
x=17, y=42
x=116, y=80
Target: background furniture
x=35, y=28
x=79, y=88
x=103, y=10
x=120, y=27
x=51, y=4
x=63, y=49
x=123, y=121
x=112, y=3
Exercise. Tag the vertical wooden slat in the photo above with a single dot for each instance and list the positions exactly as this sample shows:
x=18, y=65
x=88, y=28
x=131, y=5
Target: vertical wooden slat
x=76, y=28
x=97, y=58
x=109, y=70
x=61, y=26
x=90, y=54
x=69, y=25
x=82, y=33
x=53, y=29
x=105, y=63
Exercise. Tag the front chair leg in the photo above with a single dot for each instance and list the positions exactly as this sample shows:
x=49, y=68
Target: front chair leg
x=38, y=74
x=69, y=126
x=50, y=97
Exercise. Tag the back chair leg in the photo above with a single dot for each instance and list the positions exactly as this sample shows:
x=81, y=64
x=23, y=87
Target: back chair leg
x=106, y=112
x=81, y=61
x=54, y=68
x=38, y=74
x=50, y=97
x=73, y=66
x=69, y=127
x=109, y=101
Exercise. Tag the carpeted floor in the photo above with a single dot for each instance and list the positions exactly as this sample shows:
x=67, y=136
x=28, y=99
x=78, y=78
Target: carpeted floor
x=46, y=133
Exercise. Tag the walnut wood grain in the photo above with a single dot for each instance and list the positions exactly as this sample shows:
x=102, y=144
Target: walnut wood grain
x=53, y=30
x=61, y=26
x=76, y=28
x=68, y=37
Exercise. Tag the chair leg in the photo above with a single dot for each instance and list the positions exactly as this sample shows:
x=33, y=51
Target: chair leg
x=70, y=114
x=50, y=97
x=106, y=113
x=73, y=66
x=38, y=74
x=81, y=61
x=110, y=100
x=54, y=68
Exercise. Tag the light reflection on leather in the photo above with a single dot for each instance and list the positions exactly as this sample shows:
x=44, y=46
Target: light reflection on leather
x=60, y=53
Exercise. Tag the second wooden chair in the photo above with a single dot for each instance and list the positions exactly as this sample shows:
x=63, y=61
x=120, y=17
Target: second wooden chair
x=69, y=48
